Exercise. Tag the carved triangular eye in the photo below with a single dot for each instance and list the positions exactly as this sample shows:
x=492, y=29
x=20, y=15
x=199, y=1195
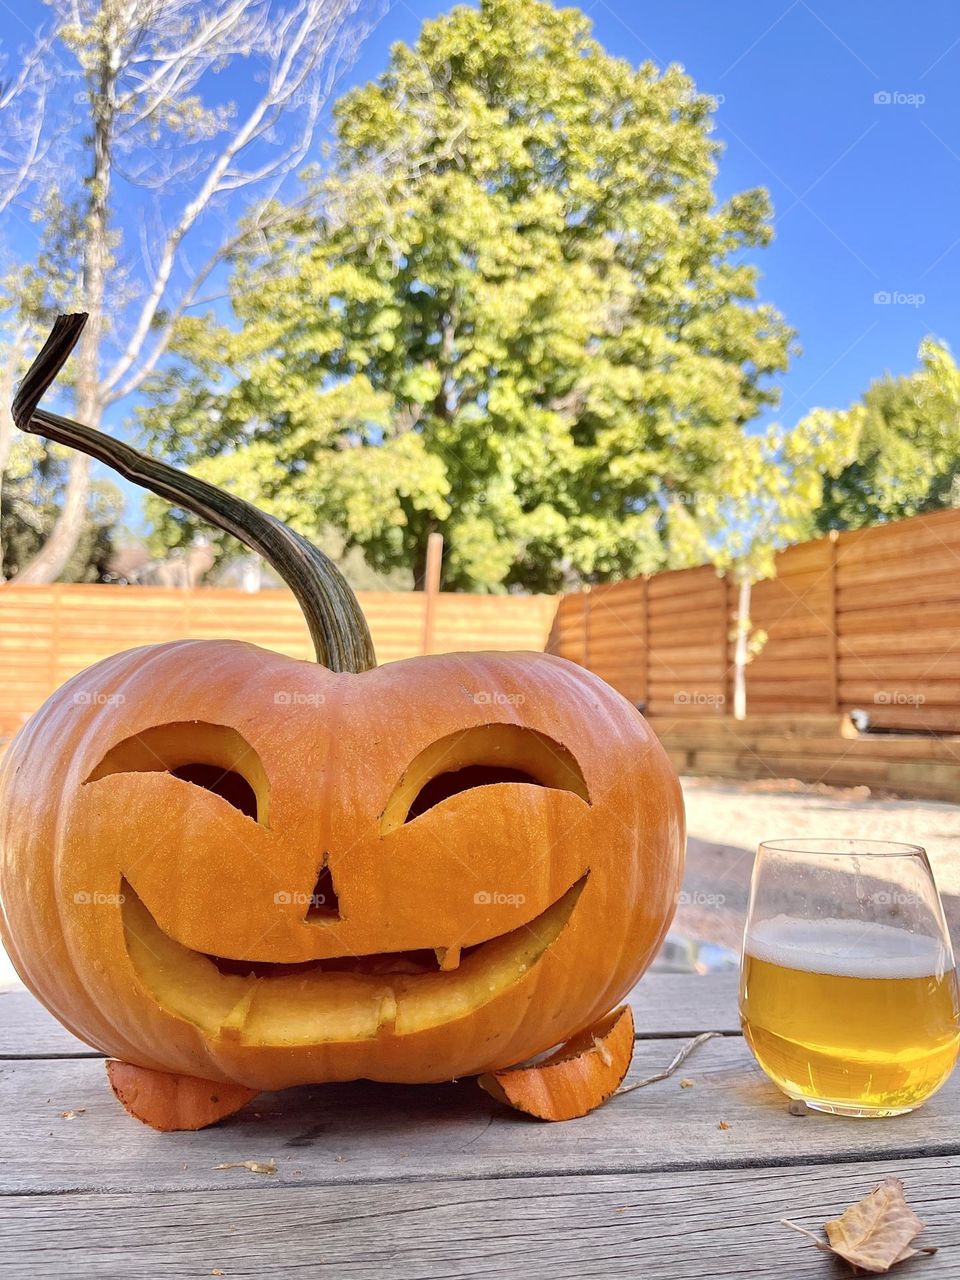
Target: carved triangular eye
x=481, y=756
x=212, y=756
x=324, y=904
x=226, y=783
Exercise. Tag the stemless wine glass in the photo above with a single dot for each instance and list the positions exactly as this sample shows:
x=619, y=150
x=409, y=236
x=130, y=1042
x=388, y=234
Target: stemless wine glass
x=848, y=987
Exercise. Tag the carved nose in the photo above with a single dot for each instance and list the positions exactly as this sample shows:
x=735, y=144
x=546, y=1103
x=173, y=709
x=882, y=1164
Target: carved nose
x=324, y=905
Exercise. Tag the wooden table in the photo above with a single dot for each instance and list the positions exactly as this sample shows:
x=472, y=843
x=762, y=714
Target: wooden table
x=439, y=1181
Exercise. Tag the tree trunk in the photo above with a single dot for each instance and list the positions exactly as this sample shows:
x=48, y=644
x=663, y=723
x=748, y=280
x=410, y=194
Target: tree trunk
x=740, y=651
x=420, y=565
x=15, y=353
x=52, y=558
x=6, y=443
x=420, y=555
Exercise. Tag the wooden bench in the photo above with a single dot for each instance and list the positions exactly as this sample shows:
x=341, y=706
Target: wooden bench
x=376, y=1181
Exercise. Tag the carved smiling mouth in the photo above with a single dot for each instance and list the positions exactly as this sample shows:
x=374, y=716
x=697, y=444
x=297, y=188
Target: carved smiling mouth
x=331, y=1000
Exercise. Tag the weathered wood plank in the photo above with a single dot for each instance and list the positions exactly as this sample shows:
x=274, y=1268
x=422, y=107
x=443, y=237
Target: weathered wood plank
x=650, y=1225
x=372, y=1133
x=28, y=1031
x=664, y=1004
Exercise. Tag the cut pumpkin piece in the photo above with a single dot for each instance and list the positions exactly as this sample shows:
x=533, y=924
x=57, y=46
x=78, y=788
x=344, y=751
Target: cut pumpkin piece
x=574, y=1079
x=170, y=1102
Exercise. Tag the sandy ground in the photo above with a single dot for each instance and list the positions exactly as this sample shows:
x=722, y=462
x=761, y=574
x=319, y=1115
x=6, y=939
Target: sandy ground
x=727, y=820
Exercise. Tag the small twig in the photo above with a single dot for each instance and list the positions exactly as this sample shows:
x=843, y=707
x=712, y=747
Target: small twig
x=821, y=1244
x=681, y=1057
x=824, y=1247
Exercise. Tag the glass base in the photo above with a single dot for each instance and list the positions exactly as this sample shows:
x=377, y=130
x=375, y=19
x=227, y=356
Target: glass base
x=851, y=1109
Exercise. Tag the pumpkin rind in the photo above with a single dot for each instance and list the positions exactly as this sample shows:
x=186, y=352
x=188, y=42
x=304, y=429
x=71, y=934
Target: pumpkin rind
x=171, y=1103
x=574, y=1080
x=333, y=748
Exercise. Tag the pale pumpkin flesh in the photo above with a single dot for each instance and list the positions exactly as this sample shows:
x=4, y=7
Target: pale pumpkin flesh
x=317, y=1004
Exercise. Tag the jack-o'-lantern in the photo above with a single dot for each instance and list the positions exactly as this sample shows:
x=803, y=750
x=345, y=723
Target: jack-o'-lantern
x=226, y=864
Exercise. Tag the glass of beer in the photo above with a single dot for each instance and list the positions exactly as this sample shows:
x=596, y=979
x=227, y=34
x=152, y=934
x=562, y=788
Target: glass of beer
x=848, y=986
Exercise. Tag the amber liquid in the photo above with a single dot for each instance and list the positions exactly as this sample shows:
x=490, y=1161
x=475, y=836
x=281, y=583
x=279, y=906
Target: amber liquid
x=852, y=1017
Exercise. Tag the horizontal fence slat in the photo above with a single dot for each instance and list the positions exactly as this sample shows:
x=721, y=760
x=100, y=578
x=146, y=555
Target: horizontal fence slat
x=867, y=619
x=48, y=634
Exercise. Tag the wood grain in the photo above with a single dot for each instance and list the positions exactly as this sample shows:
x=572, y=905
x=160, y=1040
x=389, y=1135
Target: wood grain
x=48, y=634
x=398, y=1183
x=342, y=1134
x=651, y=1226
x=833, y=604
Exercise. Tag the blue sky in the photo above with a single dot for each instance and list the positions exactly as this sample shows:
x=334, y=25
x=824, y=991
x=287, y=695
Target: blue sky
x=866, y=193
x=847, y=113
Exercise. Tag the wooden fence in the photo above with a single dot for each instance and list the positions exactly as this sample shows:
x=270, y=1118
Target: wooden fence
x=868, y=619
x=47, y=634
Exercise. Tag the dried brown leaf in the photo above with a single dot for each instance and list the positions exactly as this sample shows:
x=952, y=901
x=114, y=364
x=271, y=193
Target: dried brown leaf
x=255, y=1166
x=875, y=1233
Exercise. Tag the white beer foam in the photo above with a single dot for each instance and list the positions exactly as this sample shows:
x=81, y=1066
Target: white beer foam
x=846, y=948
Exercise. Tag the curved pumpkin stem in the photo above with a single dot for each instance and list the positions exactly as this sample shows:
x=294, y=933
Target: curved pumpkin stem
x=337, y=626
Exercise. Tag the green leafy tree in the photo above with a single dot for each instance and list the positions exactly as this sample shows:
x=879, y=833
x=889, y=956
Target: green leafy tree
x=519, y=316
x=906, y=458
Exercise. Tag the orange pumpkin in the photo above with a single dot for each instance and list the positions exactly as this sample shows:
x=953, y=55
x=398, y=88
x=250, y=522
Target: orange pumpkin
x=224, y=863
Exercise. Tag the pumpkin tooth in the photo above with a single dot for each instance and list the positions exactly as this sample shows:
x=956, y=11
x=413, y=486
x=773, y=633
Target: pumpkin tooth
x=387, y=1017
x=235, y=1021
x=447, y=958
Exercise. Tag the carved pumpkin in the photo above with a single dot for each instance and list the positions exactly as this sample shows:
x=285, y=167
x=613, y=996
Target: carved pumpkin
x=223, y=863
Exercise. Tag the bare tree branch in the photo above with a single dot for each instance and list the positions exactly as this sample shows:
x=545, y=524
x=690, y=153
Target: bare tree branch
x=296, y=49
x=148, y=117
x=23, y=102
